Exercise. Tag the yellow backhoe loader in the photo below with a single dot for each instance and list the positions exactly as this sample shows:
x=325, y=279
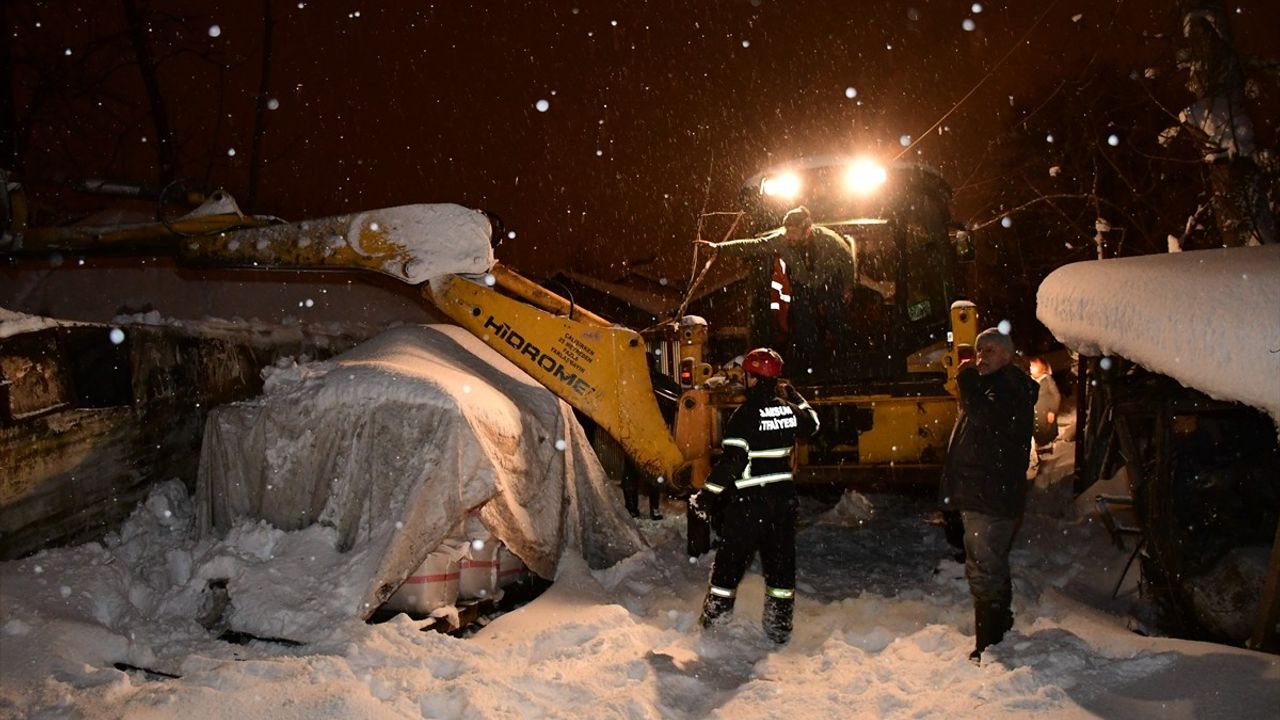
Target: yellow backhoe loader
x=656, y=393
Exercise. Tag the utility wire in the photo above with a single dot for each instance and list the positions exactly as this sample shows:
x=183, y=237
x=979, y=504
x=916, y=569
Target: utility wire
x=986, y=77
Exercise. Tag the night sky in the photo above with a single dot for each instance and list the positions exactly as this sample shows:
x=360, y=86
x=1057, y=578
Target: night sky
x=654, y=110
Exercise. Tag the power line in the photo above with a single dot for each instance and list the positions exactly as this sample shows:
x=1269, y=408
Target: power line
x=974, y=89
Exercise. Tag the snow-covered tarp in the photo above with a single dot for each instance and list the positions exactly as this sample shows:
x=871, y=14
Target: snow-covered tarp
x=1209, y=319
x=360, y=466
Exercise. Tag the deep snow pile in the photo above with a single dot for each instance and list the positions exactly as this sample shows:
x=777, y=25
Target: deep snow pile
x=883, y=629
x=1208, y=319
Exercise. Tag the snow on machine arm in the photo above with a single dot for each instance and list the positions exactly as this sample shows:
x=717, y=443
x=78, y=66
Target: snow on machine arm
x=598, y=368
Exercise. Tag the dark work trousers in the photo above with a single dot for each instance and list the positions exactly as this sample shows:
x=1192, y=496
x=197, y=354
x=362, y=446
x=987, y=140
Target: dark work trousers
x=987, y=541
x=760, y=519
x=631, y=486
x=807, y=349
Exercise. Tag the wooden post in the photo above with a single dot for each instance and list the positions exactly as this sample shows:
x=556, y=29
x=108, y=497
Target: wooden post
x=1265, y=637
x=1082, y=422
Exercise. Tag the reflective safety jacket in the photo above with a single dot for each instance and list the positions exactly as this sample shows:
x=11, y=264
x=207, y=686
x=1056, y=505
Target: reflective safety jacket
x=758, y=440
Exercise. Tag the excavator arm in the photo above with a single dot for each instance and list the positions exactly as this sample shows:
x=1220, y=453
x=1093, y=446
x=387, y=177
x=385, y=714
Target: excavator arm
x=598, y=368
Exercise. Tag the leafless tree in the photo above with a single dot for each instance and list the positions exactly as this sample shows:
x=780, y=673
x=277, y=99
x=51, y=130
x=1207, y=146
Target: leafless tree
x=166, y=159
x=260, y=107
x=1219, y=122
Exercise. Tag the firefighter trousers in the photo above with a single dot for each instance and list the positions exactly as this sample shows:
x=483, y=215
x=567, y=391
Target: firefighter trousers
x=757, y=520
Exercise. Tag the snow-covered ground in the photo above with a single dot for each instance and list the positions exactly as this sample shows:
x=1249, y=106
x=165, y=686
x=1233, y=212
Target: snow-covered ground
x=884, y=626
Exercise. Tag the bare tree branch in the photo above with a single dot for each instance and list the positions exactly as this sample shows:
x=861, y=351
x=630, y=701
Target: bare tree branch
x=260, y=106
x=165, y=154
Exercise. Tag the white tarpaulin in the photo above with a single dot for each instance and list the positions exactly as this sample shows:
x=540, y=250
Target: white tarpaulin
x=361, y=465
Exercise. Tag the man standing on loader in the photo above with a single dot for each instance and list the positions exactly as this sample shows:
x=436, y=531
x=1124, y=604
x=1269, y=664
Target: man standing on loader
x=984, y=477
x=818, y=263
x=751, y=496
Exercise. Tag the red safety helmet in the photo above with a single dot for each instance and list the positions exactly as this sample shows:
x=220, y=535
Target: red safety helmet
x=763, y=362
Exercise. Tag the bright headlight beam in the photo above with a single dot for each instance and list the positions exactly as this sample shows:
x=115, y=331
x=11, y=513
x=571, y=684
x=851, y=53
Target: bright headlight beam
x=786, y=185
x=864, y=176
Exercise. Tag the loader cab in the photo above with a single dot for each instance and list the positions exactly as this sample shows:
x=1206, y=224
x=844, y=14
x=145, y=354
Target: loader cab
x=905, y=269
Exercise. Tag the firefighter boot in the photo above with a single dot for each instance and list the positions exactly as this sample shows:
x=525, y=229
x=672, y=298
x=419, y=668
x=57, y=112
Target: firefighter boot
x=716, y=608
x=777, y=618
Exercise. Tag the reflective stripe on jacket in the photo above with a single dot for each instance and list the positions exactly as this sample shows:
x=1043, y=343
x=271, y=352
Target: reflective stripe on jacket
x=758, y=440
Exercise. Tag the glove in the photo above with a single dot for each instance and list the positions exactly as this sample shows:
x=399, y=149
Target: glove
x=790, y=393
x=704, y=504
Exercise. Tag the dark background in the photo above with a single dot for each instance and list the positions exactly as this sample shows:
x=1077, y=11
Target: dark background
x=657, y=112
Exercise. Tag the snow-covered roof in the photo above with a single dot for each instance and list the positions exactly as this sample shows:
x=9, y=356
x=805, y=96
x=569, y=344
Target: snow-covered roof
x=1209, y=319
x=16, y=323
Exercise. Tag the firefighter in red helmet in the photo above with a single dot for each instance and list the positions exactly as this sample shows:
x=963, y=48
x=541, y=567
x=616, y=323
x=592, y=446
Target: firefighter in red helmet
x=752, y=498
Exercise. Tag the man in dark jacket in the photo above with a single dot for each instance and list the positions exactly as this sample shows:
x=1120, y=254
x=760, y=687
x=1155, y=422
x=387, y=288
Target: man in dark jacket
x=984, y=478
x=752, y=497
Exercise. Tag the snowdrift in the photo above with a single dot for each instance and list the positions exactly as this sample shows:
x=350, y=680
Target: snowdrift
x=1209, y=319
x=358, y=467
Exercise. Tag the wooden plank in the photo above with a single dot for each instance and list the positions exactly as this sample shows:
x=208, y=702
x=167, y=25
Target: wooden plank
x=1265, y=636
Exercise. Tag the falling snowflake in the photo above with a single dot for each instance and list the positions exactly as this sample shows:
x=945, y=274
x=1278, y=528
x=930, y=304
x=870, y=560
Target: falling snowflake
x=490, y=280
x=969, y=25
x=1005, y=327
x=851, y=92
x=1113, y=140
x=1105, y=363
x=904, y=140
x=116, y=335
x=1006, y=221
x=976, y=8
x=542, y=105
x=215, y=30
x=560, y=444
x=273, y=104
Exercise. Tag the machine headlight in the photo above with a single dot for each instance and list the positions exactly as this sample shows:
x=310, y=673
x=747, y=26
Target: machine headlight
x=864, y=176
x=785, y=186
